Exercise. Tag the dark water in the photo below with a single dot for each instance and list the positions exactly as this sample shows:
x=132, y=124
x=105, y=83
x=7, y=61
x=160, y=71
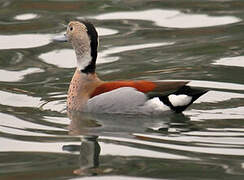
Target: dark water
x=201, y=41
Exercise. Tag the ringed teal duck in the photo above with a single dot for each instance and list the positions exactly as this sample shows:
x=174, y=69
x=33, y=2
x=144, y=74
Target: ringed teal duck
x=90, y=94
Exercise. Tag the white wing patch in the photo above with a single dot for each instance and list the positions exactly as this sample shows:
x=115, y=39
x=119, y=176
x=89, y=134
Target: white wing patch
x=155, y=104
x=179, y=100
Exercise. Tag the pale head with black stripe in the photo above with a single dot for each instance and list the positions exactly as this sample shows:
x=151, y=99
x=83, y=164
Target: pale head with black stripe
x=84, y=39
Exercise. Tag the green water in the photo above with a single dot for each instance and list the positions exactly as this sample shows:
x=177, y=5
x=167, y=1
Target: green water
x=201, y=41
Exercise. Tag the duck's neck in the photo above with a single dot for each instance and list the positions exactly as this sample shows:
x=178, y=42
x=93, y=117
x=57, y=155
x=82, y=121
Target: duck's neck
x=81, y=87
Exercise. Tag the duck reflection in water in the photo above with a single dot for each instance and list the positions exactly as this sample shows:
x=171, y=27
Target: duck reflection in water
x=90, y=127
x=89, y=149
x=89, y=155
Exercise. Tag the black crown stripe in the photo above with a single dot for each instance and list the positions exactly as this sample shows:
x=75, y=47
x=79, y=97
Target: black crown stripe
x=92, y=33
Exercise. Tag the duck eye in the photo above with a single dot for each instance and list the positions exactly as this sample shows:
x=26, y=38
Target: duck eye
x=71, y=28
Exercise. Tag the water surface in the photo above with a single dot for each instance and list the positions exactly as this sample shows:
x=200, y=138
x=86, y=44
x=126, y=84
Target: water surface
x=201, y=41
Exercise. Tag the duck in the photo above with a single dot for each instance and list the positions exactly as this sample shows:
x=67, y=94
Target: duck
x=88, y=93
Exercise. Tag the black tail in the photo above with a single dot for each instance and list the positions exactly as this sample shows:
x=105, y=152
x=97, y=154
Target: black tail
x=182, y=98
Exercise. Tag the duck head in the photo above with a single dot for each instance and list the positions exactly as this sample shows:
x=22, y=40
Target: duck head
x=84, y=39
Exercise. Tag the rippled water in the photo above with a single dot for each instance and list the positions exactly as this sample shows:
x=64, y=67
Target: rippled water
x=201, y=41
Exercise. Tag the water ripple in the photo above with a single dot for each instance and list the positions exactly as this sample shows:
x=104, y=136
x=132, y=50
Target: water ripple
x=22, y=41
x=190, y=148
x=171, y=18
x=27, y=16
x=228, y=113
x=231, y=61
x=19, y=100
x=12, y=76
